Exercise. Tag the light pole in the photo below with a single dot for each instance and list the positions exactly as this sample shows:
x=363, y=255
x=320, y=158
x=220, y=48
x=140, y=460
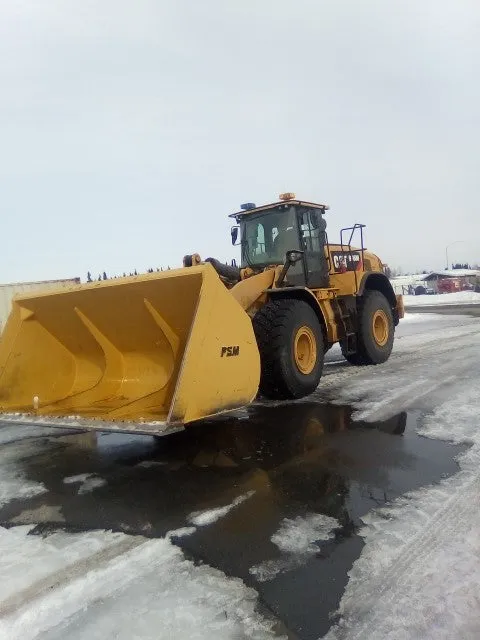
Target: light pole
x=447, y=248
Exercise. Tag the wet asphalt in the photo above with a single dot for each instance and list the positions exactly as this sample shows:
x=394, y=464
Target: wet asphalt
x=292, y=460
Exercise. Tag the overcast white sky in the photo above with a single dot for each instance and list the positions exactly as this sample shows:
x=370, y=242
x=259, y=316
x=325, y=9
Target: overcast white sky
x=129, y=130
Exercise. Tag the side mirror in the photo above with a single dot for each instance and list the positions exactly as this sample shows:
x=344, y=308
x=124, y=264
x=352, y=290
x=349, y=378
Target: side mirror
x=234, y=234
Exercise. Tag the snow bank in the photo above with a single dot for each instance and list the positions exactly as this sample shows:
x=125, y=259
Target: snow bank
x=459, y=297
x=298, y=539
x=104, y=585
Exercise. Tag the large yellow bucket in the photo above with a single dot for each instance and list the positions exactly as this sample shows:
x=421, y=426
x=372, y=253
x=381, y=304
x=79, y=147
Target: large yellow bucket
x=168, y=347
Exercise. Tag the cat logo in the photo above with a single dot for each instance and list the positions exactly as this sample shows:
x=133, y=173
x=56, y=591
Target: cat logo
x=346, y=261
x=230, y=351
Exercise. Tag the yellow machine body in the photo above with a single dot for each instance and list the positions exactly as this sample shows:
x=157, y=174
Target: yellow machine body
x=166, y=348
x=154, y=352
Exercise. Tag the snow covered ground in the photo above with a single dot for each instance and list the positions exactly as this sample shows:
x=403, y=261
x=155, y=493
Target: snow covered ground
x=105, y=585
x=418, y=575
x=459, y=297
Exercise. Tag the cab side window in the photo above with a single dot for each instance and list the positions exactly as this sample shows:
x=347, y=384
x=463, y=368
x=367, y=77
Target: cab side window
x=312, y=230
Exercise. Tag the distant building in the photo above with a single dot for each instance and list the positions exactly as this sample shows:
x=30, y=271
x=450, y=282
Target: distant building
x=451, y=280
x=445, y=281
x=8, y=291
x=406, y=284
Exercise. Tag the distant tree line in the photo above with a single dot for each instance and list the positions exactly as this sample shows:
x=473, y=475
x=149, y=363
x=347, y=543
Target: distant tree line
x=104, y=276
x=458, y=265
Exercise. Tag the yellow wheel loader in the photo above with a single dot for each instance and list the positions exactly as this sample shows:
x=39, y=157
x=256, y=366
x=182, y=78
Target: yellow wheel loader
x=152, y=353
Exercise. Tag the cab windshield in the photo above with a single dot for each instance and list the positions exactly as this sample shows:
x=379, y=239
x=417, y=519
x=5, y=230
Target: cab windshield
x=266, y=237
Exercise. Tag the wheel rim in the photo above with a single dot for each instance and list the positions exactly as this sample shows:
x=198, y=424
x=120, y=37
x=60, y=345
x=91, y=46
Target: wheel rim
x=380, y=327
x=305, y=350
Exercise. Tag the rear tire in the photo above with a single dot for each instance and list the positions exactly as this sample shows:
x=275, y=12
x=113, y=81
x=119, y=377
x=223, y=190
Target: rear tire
x=375, y=330
x=291, y=345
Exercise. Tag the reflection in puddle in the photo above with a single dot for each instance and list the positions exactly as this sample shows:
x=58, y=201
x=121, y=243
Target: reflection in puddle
x=298, y=452
x=270, y=432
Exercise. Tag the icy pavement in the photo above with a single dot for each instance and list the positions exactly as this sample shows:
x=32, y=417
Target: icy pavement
x=419, y=573
x=433, y=358
x=101, y=584
x=106, y=585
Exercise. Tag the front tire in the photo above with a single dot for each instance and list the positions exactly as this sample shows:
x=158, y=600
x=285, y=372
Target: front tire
x=291, y=345
x=375, y=330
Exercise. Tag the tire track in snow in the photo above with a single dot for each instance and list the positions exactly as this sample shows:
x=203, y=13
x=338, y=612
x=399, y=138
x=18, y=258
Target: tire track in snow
x=408, y=376
x=429, y=346
x=66, y=575
x=404, y=397
x=403, y=573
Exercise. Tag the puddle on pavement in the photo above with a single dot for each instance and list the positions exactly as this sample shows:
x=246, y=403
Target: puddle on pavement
x=291, y=461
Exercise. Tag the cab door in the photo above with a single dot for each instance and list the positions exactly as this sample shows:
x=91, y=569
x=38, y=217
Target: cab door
x=312, y=226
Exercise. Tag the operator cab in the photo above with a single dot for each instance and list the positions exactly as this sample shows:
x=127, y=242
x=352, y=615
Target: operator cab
x=267, y=233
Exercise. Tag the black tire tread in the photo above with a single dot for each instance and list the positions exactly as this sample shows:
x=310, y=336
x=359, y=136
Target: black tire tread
x=269, y=325
x=362, y=357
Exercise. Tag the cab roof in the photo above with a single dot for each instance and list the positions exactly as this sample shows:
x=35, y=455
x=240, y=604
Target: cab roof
x=273, y=205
